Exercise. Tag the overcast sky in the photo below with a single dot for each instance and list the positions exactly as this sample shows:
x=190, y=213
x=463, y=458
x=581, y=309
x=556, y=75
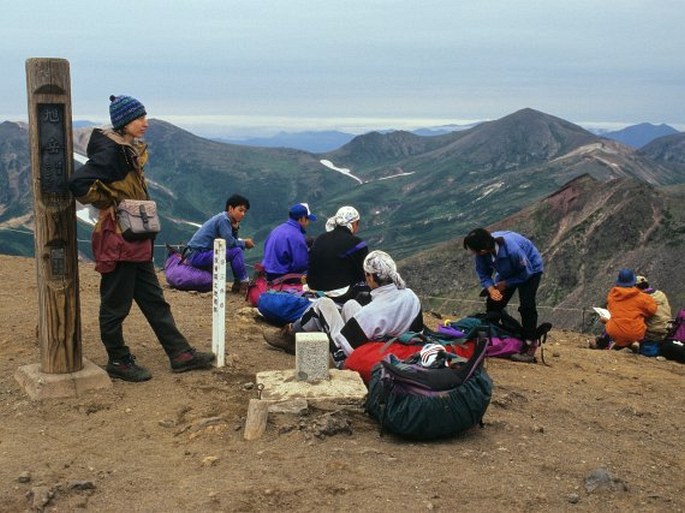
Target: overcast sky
x=355, y=65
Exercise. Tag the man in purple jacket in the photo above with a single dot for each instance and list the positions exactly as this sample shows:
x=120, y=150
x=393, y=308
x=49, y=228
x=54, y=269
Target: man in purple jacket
x=507, y=262
x=285, y=249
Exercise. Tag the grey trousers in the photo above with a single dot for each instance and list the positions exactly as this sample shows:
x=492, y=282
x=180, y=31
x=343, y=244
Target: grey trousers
x=325, y=315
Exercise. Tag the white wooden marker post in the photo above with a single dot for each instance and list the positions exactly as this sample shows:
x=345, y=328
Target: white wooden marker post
x=219, y=305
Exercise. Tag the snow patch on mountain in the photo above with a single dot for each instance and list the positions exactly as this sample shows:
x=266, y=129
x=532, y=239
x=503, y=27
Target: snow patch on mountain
x=342, y=170
x=490, y=189
x=403, y=173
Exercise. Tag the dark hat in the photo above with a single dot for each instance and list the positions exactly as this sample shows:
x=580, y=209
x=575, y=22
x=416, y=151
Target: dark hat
x=123, y=110
x=642, y=283
x=626, y=278
x=301, y=210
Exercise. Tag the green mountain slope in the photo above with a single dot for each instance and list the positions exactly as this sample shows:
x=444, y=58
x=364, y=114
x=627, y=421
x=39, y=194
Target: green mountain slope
x=586, y=232
x=416, y=191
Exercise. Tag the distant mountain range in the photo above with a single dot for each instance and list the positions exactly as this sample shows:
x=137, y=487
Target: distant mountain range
x=635, y=136
x=312, y=141
x=417, y=192
x=325, y=140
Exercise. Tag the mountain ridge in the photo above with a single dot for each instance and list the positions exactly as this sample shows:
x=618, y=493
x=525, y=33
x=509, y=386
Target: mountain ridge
x=586, y=231
x=441, y=186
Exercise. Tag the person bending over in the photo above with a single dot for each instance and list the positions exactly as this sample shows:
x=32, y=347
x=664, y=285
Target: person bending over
x=506, y=262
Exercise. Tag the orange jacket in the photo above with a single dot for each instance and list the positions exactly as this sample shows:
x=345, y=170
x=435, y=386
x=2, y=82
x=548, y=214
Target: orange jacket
x=629, y=308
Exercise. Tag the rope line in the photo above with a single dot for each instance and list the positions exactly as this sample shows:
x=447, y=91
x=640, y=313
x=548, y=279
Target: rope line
x=424, y=298
x=458, y=300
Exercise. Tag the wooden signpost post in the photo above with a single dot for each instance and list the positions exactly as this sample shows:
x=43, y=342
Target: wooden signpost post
x=56, y=255
x=59, y=321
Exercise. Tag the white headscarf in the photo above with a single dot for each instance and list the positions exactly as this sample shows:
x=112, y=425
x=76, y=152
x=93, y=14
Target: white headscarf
x=345, y=216
x=381, y=264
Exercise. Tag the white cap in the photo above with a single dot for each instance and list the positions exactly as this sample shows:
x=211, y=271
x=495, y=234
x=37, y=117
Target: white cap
x=381, y=264
x=345, y=216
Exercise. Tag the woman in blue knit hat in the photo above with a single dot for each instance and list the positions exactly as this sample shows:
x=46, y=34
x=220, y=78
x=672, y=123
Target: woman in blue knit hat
x=114, y=172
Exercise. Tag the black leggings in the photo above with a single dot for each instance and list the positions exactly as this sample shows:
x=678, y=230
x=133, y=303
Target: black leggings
x=528, y=308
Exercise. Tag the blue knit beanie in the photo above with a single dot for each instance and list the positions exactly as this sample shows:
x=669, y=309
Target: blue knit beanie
x=123, y=110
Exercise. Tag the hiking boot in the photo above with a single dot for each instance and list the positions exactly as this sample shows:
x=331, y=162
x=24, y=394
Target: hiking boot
x=527, y=355
x=240, y=287
x=600, y=342
x=191, y=359
x=283, y=339
x=339, y=358
x=126, y=369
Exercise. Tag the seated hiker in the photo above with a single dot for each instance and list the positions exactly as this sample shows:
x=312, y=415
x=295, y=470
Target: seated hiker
x=286, y=250
x=506, y=262
x=225, y=225
x=657, y=324
x=629, y=307
x=337, y=257
x=393, y=310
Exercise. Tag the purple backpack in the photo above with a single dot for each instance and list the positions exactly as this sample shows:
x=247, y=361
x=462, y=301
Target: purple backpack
x=182, y=276
x=677, y=331
x=498, y=347
x=673, y=347
x=504, y=347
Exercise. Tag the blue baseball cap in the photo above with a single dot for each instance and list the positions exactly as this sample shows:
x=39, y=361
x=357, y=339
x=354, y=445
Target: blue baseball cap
x=301, y=210
x=626, y=278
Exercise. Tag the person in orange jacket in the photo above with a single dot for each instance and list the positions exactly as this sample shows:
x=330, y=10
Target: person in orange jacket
x=629, y=308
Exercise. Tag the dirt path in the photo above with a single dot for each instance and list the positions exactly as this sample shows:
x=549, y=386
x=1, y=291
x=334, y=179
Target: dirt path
x=175, y=443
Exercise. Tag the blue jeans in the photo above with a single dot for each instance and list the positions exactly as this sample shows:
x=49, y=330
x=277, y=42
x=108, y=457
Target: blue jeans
x=234, y=255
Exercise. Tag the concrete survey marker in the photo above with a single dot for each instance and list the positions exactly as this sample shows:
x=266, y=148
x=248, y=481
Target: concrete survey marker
x=311, y=357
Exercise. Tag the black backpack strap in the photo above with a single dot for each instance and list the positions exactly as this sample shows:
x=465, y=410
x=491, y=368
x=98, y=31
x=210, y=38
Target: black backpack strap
x=541, y=336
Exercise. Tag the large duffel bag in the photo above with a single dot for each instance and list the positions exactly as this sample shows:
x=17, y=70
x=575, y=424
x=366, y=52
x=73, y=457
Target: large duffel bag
x=673, y=350
x=182, y=276
x=280, y=308
x=413, y=400
x=366, y=356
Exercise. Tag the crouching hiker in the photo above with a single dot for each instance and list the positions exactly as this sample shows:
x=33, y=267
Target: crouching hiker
x=393, y=310
x=629, y=308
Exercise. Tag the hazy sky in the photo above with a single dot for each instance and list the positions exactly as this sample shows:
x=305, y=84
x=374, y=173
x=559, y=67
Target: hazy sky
x=355, y=65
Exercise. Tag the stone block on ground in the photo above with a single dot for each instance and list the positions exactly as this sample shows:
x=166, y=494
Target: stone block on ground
x=311, y=356
x=41, y=385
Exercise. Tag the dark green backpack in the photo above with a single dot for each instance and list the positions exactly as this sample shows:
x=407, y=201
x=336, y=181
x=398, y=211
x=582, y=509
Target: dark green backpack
x=421, y=402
